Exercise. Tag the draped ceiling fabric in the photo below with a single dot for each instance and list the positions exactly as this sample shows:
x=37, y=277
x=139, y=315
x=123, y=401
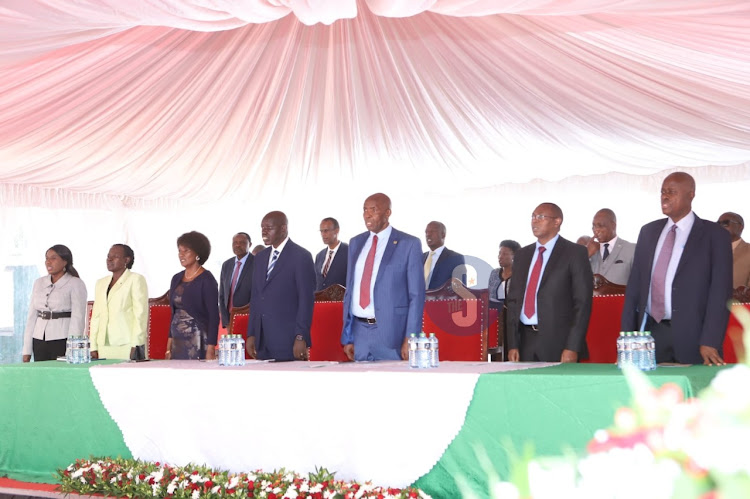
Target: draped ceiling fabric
x=166, y=100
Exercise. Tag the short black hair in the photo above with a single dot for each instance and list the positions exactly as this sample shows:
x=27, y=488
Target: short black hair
x=197, y=242
x=511, y=245
x=249, y=241
x=128, y=251
x=332, y=220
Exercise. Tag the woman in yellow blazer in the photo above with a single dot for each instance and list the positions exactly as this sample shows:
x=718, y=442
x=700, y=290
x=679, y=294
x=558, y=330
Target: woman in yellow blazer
x=120, y=315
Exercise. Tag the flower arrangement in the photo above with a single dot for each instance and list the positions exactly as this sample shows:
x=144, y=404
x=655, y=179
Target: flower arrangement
x=663, y=446
x=134, y=478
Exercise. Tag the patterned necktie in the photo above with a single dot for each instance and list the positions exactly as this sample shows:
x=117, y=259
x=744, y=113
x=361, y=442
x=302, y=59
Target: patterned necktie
x=364, y=287
x=606, y=251
x=328, y=263
x=234, y=284
x=529, y=305
x=659, y=277
x=428, y=268
x=272, y=264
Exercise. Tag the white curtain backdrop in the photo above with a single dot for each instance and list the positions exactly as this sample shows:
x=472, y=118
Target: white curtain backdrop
x=137, y=121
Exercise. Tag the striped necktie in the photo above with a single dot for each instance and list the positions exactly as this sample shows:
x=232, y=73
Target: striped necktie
x=272, y=264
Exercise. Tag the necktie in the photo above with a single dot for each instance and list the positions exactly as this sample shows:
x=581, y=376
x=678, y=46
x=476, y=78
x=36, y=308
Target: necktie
x=529, y=304
x=364, y=287
x=234, y=284
x=328, y=263
x=428, y=268
x=606, y=251
x=659, y=277
x=272, y=264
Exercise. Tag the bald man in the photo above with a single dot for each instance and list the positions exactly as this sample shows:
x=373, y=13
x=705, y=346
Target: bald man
x=610, y=256
x=681, y=280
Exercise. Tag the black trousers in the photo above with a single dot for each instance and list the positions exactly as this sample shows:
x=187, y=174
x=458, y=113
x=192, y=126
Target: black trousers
x=662, y=333
x=48, y=350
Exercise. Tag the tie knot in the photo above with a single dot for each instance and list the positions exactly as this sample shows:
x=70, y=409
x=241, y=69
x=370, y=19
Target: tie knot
x=606, y=245
x=541, y=249
x=673, y=228
x=374, y=239
x=330, y=252
x=239, y=263
x=275, y=253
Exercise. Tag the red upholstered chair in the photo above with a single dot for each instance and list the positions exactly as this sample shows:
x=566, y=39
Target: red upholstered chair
x=493, y=331
x=459, y=318
x=327, y=323
x=604, y=328
x=89, y=310
x=238, y=320
x=159, y=320
x=734, y=349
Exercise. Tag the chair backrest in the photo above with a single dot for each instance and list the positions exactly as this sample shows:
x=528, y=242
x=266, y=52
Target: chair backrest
x=238, y=320
x=604, y=328
x=734, y=348
x=89, y=310
x=604, y=287
x=459, y=317
x=334, y=292
x=159, y=320
x=325, y=331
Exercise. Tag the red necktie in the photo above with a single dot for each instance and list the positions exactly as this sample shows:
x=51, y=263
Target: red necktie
x=364, y=287
x=234, y=283
x=529, y=304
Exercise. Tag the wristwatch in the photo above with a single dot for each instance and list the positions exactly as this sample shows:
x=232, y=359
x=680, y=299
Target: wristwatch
x=299, y=337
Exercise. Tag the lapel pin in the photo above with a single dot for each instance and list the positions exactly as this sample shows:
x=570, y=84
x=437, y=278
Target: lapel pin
x=395, y=242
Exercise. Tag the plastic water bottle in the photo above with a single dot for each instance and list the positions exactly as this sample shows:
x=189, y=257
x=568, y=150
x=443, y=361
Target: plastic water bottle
x=621, y=350
x=636, y=349
x=434, y=351
x=240, y=350
x=423, y=352
x=222, y=350
x=650, y=351
x=627, y=348
x=86, y=349
x=413, y=350
x=232, y=351
x=69, y=350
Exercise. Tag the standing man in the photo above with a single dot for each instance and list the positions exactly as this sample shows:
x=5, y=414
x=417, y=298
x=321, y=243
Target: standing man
x=440, y=262
x=734, y=224
x=281, y=303
x=330, y=263
x=549, y=300
x=681, y=277
x=384, y=297
x=610, y=256
x=236, y=277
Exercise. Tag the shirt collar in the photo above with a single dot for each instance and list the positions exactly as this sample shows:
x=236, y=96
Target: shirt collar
x=281, y=246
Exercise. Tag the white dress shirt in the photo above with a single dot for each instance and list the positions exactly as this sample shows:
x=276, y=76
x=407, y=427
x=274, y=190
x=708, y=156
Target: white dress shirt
x=435, y=258
x=549, y=246
x=359, y=268
x=611, y=247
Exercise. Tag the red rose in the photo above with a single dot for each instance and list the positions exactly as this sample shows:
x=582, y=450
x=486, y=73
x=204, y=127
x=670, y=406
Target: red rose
x=209, y=484
x=271, y=495
x=141, y=477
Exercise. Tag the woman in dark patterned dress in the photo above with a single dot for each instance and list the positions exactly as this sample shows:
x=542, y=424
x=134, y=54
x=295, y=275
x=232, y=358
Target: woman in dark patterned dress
x=194, y=297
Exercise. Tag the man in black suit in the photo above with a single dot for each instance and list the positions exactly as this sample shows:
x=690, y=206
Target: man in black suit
x=281, y=305
x=440, y=262
x=330, y=263
x=549, y=300
x=236, y=277
x=681, y=280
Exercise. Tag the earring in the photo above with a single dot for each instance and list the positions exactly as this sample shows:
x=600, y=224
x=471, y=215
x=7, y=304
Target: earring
x=198, y=258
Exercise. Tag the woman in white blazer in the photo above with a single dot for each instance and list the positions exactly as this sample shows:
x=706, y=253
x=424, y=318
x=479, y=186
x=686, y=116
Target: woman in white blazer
x=57, y=308
x=120, y=315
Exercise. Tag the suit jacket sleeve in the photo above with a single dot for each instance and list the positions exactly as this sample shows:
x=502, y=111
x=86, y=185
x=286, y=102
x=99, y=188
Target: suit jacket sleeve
x=629, y=317
x=582, y=289
x=720, y=289
x=100, y=301
x=305, y=279
x=139, y=294
x=416, y=288
x=223, y=293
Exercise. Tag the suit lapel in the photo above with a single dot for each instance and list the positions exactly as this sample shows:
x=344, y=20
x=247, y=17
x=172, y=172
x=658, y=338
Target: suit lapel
x=652, y=247
x=118, y=285
x=696, y=234
x=389, y=250
x=557, y=252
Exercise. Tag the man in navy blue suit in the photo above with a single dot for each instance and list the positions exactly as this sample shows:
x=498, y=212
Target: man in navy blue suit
x=440, y=262
x=281, y=303
x=236, y=278
x=330, y=263
x=681, y=280
x=385, y=288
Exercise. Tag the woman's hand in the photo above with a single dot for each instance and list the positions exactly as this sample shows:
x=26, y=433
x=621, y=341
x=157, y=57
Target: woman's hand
x=27, y=358
x=94, y=354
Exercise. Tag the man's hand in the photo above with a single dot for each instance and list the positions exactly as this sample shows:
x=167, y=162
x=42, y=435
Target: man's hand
x=27, y=358
x=250, y=347
x=349, y=350
x=300, y=349
x=405, y=349
x=569, y=356
x=94, y=354
x=711, y=356
x=592, y=247
x=513, y=355
x=210, y=352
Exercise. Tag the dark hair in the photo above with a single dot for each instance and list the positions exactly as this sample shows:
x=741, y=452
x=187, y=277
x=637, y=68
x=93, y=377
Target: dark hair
x=511, y=245
x=64, y=253
x=128, y=251
x=197, y=242
x=249, y=241
x=332, y=220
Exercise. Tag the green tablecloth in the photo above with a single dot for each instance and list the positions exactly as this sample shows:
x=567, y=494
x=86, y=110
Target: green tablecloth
x=51, y=414
x=555, y=408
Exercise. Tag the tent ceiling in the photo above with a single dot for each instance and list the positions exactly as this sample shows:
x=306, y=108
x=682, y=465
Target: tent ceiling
x=170, y=99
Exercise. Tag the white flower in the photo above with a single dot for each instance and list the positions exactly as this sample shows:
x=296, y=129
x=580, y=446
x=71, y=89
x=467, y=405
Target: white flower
x=78, y=473
x=194, y=478
x=113, y=479
x=304, y=486
x=83, y=480
x=215, y=489
x=329, y=494
x=291, y=492
x=233, y=482
x=195, y=494
x=155, y=490
x=289, y=477
x=171, y=487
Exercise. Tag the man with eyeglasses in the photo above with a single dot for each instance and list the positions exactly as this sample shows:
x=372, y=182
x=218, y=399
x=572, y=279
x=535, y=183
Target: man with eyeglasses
x=681, y=280
x=549, y=300
x=734, y=224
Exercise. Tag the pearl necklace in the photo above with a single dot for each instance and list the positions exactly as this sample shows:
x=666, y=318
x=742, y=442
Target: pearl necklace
x=190, y=278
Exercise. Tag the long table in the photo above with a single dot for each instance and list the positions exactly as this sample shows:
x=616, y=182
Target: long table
x=379, y=421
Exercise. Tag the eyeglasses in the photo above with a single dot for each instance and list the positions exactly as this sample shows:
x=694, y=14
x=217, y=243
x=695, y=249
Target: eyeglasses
x=540, y=217
x=726, y=222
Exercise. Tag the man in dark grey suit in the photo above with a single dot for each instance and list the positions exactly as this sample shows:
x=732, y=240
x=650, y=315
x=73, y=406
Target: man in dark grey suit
x=440, y=262
x=330, y=263
x=681, y=280
x=281, y=305
x=549, y=300
x=237, y=271
x=610, y=255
